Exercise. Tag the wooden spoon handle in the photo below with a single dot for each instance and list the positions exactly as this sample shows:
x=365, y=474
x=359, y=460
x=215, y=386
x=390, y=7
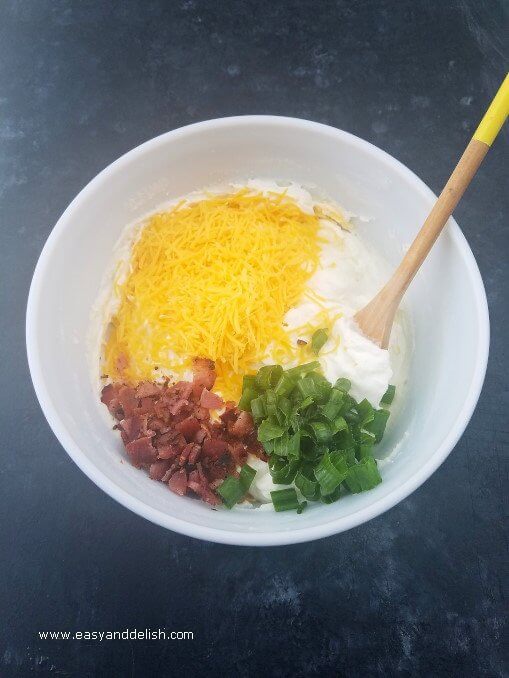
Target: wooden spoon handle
x=376, y=318
x=443, y=208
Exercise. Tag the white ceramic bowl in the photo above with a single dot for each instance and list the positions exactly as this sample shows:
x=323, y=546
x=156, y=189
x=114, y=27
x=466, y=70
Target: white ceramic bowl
x=447, y=304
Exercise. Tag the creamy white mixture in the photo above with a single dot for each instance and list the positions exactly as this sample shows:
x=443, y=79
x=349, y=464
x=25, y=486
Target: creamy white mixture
x=350, y=274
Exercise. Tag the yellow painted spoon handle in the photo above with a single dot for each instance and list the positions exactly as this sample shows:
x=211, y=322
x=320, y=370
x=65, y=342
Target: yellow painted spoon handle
x=495, y=116
x=376, y=318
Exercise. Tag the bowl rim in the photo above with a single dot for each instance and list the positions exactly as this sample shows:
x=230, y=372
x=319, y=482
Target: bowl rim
x=292, y=536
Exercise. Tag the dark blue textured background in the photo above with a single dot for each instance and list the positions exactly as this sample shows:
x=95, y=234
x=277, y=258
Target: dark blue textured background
x=421, y=590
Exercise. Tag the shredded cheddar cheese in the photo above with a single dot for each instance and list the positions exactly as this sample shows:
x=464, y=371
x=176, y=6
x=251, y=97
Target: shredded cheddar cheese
x=213, y=279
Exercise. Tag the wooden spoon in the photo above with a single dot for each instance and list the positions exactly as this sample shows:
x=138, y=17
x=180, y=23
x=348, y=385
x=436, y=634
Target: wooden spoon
x=376, y=318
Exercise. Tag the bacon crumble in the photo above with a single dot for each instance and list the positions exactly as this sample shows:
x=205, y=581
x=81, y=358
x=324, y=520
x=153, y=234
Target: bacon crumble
x=167, y=429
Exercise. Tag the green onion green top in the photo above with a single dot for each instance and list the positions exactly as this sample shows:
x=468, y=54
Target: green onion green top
x=315, y=433
x=318, y=340
x=233, y=490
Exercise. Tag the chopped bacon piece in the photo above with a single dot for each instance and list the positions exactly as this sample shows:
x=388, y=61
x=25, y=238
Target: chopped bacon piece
x=159, y=408
x=170, y=472
x=198, y=484
x=194, y=455
x=109, y=396
x=239, y=453
x=141, y=451
x=219, y=468
x=171, y=438
x=147, y=389
x=213, y=447
x=146, y=406
x=127, y=400
x=167, y=451
x=188, y=427
x=132, y=427
x=109, y=393
x=229, y=416
x=211, y=401
x=204, y=375
x=243, y=425
x=188, y=450
x=204, y=493
x=183, y=389
x=158, y=469
x=202, y=413
x=158, y=425
x=200, y=436
x=178, y=482
x=176, y=406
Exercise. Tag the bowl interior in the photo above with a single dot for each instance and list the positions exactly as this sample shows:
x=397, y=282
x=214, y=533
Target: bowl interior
x=446, y=304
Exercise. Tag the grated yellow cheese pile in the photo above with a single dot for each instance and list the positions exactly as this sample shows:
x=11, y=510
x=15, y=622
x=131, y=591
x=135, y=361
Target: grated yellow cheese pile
x=213, y=279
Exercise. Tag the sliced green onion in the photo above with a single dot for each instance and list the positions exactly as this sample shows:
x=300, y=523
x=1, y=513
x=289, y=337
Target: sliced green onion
x=343, y=384
x=333, y=405
x=318, y=340
x=323, y=387
x=283, y=470
x=321, y=431
x=299, y=406
x=365, y=411
x=233, y=489
x=268, y=446
x=307, y=484
x=365, y=452
x=268, y=376
x=314, y=434
x=350, y=457
x=248, y=395
x=307, y=387
x=268, y=430
x=294, y=445
x=331, y=471
x=284, y=407
x=339, y=424
x=258, y=407
x=287, y=445
x=344, y=439
x=363, y=476
x=388, y=396
x=301, y=370
x=349, y=404
x=377, y=426
x=332, y=497
x=246, y=476
x=249, y=381
x=366, y=437
x=284, y=384
x=351, y=417
x=285, y=500
x=271, y=403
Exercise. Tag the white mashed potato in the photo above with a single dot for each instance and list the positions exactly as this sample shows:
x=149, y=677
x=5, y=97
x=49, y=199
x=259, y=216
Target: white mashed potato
x=350, y=274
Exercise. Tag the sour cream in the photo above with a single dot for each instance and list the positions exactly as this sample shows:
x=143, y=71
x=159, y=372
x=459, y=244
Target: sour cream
x=350, y=274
